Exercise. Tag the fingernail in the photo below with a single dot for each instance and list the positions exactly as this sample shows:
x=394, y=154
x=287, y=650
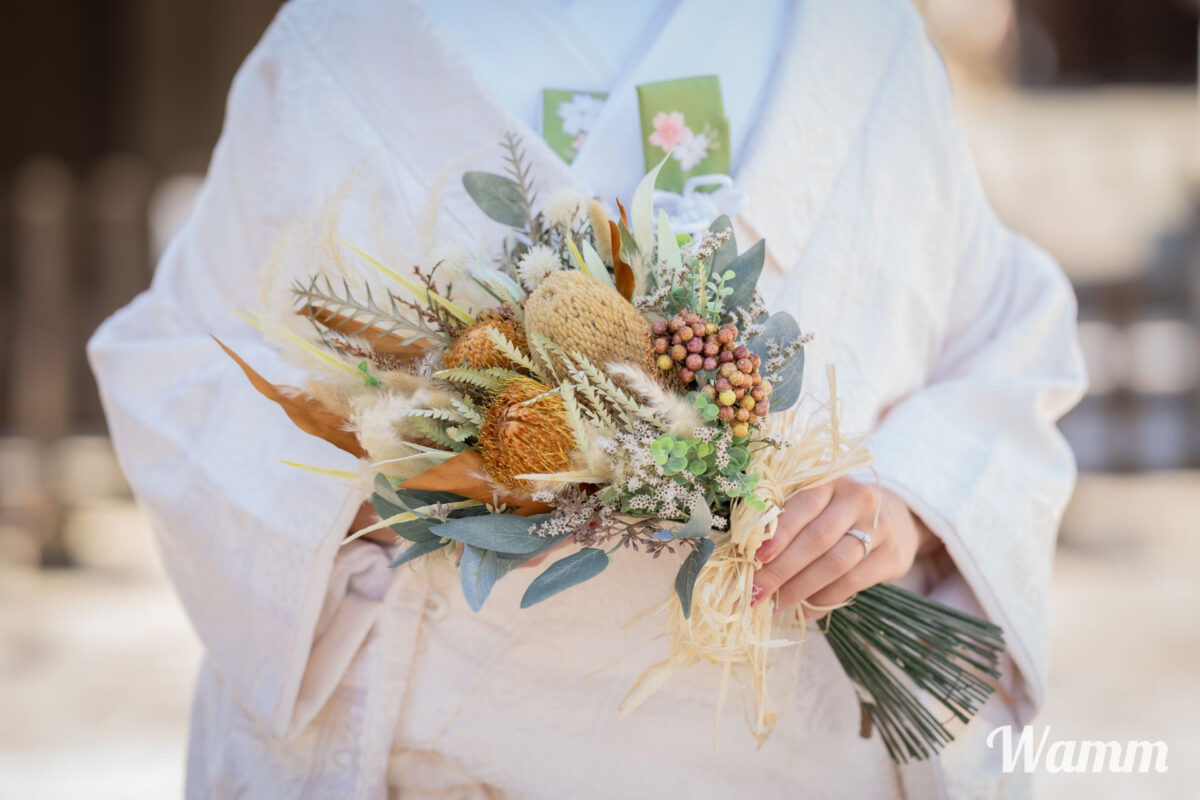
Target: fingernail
x=755, y=595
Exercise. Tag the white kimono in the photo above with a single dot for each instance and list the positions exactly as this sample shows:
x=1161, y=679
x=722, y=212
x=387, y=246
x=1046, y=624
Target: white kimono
x=329, y=676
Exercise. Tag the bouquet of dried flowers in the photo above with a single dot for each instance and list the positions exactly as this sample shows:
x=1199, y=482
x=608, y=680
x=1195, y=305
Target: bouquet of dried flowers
x=621, y=388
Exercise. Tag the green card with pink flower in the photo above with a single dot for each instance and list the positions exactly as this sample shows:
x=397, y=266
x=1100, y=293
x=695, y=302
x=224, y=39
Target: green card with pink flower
x=686, y=118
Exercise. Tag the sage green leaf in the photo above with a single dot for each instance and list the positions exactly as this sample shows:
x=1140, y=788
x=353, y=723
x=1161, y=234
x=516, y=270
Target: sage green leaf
x=745, y=268
x=689, y=570
x=389, y=501
x=641, y=210
x=478, y=570
x=668, y=245
x=565, y=573
x=724, y=255
x=504, y=533
x=417, y=550
x=699, y=524
x=781, y=328
x=416, y=530
x=497, y=196
x=595, y=265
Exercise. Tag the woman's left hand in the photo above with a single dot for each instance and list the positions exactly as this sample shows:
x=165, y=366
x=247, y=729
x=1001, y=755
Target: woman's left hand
x=812, y=557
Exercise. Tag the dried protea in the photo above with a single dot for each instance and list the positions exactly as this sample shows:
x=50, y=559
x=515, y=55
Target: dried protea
x=582, y=315
x=475, y=348
x=526, y=431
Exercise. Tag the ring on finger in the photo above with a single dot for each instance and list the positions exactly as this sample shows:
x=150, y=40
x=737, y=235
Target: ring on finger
x=863, y=538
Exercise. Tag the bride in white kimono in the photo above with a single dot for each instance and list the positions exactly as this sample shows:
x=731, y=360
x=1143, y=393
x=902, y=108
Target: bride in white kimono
x=326, y=674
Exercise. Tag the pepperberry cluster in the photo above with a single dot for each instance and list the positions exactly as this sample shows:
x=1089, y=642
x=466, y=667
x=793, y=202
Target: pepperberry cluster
x=704, y=352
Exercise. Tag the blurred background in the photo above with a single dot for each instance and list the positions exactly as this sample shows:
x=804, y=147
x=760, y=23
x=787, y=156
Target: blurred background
x=1083, y=118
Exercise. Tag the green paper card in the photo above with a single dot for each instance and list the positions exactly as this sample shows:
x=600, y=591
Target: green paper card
x=567, y=116
x=684, y=117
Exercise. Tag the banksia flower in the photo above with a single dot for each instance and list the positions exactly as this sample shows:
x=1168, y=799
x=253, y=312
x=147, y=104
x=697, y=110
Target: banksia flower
x=582, y=315
x=475, y=348
x=525, y=431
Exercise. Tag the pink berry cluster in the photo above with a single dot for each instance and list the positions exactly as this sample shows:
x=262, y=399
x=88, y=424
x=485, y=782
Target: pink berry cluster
x=689, y=345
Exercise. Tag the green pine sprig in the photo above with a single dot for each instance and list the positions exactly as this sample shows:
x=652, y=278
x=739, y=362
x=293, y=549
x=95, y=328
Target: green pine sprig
x=887, y=631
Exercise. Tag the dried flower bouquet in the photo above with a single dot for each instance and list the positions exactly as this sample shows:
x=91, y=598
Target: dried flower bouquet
x=621, y=388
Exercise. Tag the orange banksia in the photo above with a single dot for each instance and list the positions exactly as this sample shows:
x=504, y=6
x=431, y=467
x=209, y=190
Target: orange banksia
x=474, y=347
x=526, y=431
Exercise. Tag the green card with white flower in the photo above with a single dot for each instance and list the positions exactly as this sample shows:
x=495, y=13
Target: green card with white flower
x=567, y=116
x=686, y=118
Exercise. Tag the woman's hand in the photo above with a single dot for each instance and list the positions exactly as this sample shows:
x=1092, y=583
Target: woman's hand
x=812, y=558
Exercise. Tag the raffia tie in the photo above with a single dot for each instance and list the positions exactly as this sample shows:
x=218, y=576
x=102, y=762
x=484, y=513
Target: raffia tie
x=724, y=627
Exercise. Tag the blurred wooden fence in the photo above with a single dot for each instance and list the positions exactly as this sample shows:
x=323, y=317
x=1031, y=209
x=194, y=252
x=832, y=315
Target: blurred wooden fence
x=76, y=248
x=75, y=245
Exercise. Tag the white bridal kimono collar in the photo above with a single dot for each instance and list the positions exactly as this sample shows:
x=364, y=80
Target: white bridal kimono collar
x=953, y=339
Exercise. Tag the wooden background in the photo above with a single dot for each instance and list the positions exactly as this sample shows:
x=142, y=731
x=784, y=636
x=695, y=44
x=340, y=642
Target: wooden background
x=111, y=108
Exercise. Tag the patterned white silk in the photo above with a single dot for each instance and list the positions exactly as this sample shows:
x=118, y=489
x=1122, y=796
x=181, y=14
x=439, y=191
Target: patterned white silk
x=954, y=342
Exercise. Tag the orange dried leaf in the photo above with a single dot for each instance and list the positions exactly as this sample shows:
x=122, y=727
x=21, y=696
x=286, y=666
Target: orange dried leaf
x=308, y=414
x=624, y=217
x=391, y=344
x=622, y=272
x=464, y=474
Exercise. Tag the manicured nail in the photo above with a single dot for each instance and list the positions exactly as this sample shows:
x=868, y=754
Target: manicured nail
x=755, y=595
x=764, y=550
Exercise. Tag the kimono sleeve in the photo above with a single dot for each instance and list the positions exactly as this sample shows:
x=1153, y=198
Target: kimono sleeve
x=975, y=452
x=251, y=545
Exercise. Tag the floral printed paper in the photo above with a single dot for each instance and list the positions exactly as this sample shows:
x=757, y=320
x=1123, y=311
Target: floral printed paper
x=567, y=117
x=685, y=118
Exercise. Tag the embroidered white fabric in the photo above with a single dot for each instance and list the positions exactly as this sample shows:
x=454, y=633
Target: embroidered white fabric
x=954, y=341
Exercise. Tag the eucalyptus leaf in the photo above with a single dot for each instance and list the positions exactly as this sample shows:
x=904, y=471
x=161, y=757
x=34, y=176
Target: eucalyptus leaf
x=724, y=255
x=497, y=196
x=417, y=550
x=746, y=268
x=689, y=570
x=416, y=530
x=504, y=533
x=419, y=498
x=565, y=573
x=699, y=524
x=383, y=487
x=781, y=328
x=478, y=570
x=389, y=502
